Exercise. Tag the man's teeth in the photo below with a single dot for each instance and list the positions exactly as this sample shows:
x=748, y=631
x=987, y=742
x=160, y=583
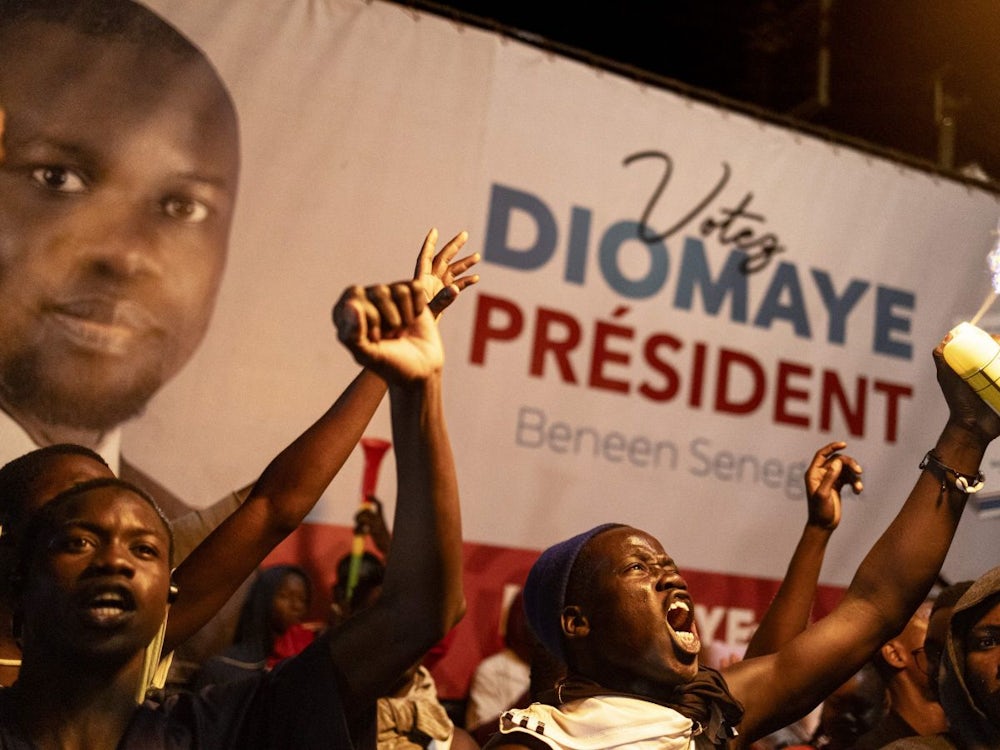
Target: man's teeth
x=684, y=637
x=107, y=611
x=108, y=604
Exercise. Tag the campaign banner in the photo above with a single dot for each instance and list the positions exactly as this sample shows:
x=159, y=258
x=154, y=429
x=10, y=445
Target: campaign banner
x=679, y=302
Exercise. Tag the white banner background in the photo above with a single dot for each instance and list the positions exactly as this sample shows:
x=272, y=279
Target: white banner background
x=364, y=124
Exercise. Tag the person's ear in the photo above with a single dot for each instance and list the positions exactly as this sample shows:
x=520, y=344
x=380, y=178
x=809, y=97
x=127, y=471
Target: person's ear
x=574, y=623
x=173, y=591
x=893, y=654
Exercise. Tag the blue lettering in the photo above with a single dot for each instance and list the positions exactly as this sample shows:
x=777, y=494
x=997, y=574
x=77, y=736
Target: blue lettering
x=503, y=201
x=695, y=272
x=611, y=243
x=838, y=307
x=514, y=213
x=887, y=301
x=784, y=283
x=579, y=234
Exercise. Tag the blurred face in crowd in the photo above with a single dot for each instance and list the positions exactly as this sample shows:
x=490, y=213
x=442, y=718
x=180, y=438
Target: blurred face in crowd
x=982, y=662
x=290, y=604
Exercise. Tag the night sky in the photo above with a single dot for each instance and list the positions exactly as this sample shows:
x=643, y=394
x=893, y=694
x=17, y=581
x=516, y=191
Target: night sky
x=885, y=56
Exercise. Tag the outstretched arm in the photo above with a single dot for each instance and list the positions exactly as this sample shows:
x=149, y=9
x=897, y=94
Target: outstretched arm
x=285, y=493
x=889, y=585
x=294, y=481
x=390, y=329
x=788, y=614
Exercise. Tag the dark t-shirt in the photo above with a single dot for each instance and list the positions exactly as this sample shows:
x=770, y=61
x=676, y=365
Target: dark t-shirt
x=297, y=706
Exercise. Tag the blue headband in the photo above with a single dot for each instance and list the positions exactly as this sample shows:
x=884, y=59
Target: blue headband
x=545, y=588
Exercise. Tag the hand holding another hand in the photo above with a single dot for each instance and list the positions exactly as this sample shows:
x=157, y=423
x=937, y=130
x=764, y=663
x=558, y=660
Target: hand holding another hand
x=389, y=329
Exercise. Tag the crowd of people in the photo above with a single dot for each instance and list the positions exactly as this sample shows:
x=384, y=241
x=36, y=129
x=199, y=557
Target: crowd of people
x=107, y=581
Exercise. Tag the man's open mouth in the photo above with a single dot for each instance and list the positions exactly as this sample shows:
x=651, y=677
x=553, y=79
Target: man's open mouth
x=109, y=606
x=680, y=622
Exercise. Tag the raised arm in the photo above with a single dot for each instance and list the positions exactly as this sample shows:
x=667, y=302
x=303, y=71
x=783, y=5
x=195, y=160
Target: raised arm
x=788, y=614
x=294, y=481
x=390, y=330
x=890, y=584
x=285, y=493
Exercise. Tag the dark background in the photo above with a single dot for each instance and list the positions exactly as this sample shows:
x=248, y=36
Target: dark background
x=918, y=80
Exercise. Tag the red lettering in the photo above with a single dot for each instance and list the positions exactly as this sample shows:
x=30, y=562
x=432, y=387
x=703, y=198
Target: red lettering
x=602, y=354
x=723, y=403
x=832, y=389
x=672, y=380
x=484, y=329
x=559, y=348
x=738, y=382
x=785, y=393
x=893, y=392
x=697, y=374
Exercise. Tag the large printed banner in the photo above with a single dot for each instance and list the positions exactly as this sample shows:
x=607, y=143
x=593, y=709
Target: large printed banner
x=679, y=304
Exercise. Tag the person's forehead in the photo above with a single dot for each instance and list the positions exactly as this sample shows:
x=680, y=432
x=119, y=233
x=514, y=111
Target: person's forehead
x=62, y=471
x=110, y=507
x=625, y=540
x=990, y=616
x=292, y=580
x=141, y=65
x=55, y=81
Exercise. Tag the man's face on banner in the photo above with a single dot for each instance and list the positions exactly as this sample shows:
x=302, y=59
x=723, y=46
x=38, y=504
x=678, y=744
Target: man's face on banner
x=117, y=189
